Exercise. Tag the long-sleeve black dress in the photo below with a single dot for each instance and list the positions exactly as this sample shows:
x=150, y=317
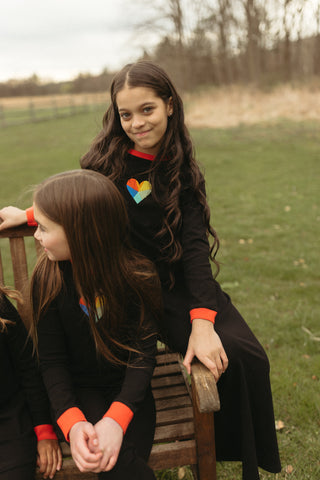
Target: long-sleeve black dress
x=84, y=385
x=245, y=427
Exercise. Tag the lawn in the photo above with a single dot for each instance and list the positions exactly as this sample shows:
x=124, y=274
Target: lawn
x=263, y=189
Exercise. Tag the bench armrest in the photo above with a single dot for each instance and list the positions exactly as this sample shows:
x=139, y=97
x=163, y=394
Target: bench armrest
x=204, y=388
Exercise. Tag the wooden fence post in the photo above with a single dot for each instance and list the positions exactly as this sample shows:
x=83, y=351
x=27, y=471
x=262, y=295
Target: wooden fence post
x=2, y=117
x=32, y=111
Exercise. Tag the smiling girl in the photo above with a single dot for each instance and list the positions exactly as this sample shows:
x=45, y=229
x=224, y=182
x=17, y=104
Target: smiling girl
x=145, y=148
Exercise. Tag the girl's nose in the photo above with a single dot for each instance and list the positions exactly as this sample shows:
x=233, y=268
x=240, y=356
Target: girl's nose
x=137, y=121
x=36, y=234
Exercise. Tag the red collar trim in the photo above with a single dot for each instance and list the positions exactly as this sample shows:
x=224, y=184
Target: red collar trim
x=146, y=156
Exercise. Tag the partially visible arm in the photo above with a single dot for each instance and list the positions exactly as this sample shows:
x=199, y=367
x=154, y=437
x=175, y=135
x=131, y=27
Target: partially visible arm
x=112, y=427
x=54, y=366
x=12, y=217
x=204, y=342
x=137, y=378
x=49, y=454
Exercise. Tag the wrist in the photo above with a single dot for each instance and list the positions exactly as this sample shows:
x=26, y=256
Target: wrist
x=202, y=324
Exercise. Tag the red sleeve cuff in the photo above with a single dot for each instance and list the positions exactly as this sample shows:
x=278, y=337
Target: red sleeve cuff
x=68, y=419
x=30, y=217
x=45, y=432
x=204, y=313
x=121, y=414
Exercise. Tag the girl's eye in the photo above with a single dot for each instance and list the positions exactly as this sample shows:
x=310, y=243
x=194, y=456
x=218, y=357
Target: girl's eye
x=124, y=115
x=147, y=109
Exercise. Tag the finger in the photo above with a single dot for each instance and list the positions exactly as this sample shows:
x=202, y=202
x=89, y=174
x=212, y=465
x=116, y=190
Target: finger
x=224, y=360
x=112, y=461
x=188, y=360
x=93, y=444
x=48, y=465
x=219, y=364
x=41, y=461
x=85, y=466
x=54, y=463
x=211, y=365
x=59, y=463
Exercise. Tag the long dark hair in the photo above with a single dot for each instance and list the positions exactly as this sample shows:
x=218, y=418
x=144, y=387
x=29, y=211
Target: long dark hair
x=92, y=213
x=109, y=149
x=14, y=295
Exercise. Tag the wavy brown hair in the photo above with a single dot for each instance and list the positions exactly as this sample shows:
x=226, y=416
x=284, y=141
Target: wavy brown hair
x=109, y=149
x=14, y=295
x=92, y=213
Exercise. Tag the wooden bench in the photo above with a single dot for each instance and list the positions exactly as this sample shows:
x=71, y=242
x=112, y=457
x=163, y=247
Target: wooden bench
x=185, y=424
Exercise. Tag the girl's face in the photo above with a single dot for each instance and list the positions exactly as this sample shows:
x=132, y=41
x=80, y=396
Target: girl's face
x=144, y=117
x=51, y=236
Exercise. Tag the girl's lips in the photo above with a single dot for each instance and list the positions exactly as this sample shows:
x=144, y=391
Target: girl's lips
x=142, y=134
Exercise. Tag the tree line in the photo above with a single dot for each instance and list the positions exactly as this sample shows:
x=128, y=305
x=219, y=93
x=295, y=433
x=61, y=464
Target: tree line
x=233, y=41
x=214, y=42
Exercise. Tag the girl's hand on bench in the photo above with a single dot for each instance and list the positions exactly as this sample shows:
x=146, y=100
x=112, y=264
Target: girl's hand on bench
x=49, y=459
x=205, y=344
x=12, y=217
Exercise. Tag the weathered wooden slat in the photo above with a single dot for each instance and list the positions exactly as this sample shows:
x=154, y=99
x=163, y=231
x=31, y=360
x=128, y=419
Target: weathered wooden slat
x=173, y=454
x=177, y=415
x=167, y=381
x=205, y=387
x=204, y=432
x=164, y=370
x=180, y=431
x=175, y=402
x=22, y=231
x=19, y=262
x=166, y=358
x=69, y=471
x=170, y=392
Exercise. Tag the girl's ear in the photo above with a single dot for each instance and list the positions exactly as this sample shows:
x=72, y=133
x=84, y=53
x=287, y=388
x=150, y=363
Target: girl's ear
x=170, y=107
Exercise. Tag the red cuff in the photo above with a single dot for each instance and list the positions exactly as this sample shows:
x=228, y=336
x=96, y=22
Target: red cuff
x=204, y=313
x=121, y=414
x=45, y=432
x=30, y=217
x=68, y=419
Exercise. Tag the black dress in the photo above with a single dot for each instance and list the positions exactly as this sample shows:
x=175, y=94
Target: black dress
x=245, y=427
x=83, y=385
x=23, y=401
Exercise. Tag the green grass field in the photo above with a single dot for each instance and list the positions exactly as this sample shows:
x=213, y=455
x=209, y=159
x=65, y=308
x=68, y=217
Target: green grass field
x=263, y=188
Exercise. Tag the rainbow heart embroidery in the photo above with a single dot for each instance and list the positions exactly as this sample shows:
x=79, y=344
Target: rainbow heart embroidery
x=99, y=307
x=138, y=191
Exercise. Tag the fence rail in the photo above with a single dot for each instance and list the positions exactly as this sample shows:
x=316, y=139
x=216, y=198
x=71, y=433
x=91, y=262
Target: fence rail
x=17, y=111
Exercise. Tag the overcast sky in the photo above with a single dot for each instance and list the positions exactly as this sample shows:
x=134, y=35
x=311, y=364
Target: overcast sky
x=58, y=39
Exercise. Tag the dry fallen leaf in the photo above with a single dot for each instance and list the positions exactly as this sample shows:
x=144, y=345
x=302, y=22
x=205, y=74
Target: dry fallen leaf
x=289, y=469
x=279, y=425
x=181, y=473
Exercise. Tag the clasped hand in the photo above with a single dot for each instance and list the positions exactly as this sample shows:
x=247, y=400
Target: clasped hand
x=96, y=448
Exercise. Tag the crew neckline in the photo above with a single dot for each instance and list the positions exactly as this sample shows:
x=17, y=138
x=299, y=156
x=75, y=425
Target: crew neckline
x=145, y=156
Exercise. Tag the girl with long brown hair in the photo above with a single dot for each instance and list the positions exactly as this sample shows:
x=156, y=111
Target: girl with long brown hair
x=26, y=434
x=95, y=301
x=145, y=148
